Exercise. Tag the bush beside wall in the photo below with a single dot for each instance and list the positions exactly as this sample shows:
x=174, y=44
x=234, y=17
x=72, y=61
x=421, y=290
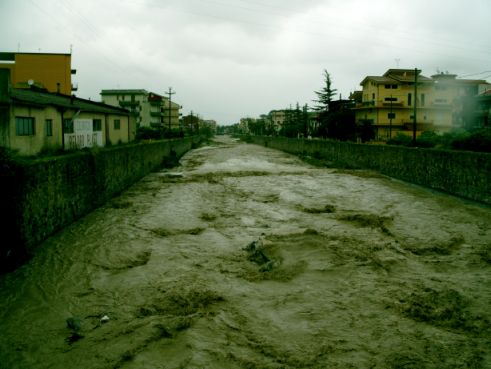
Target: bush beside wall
x=461, y=173
x=42, y=196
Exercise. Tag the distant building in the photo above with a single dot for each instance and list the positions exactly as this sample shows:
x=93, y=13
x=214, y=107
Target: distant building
x=387, y=102
x=483, y=110
x=32, y=121
x=149, y=108
x=278, y=119
x=209, y=123
x=51, y=72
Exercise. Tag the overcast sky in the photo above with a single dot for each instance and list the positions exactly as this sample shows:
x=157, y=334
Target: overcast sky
x=228, y=59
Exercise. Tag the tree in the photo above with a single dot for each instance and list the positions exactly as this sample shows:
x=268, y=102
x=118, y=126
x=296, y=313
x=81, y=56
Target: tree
x=325, y=95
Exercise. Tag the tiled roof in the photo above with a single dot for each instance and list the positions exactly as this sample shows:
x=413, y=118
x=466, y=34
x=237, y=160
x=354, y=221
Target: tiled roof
x=396, y=75
x=38, y=98
x=125, y=92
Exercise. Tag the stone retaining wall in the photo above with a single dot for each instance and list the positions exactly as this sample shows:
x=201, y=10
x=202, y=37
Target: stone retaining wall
x=40, y=197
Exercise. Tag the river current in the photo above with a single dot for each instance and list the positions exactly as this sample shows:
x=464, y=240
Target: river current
x=247, y=257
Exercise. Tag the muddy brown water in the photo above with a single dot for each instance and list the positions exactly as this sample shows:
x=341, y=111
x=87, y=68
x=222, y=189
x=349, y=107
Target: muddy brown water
x=246, y=257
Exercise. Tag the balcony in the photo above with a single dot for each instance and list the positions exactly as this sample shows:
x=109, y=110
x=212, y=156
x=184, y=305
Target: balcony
x=155, y=114
x=155, y=101
x=441, y=104
x=125, y=104
x=394, y=104
x=425, y=126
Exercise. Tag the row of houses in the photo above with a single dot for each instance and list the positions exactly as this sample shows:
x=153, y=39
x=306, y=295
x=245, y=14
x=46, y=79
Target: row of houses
x=402, y=100
x=39, y=111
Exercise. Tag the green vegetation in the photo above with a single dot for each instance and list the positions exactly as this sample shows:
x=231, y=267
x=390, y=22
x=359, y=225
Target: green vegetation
x=473, y=140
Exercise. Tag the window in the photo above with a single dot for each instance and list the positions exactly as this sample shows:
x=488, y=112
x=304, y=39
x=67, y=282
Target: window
x=97, y=125
x=68, y=126
x=391, y=115
x=117, y=124
x=24, y=126
x=393, y=87
x=390, y=99
x=49, y=127
x=373, y=96
x=422, y=99
x=409, y=99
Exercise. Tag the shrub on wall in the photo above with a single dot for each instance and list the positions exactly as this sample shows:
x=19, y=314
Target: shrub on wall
x=479, y=140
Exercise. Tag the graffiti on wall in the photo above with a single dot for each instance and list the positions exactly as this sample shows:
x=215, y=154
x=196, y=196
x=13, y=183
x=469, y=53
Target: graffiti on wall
x=83, y=135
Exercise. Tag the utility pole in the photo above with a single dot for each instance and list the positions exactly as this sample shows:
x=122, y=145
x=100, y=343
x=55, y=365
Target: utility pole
x=416, y=71
x=192, y=123
x=170, y=93
x=391, y=116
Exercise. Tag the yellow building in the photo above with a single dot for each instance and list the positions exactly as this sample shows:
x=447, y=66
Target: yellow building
x=52, y=72
x=388, y=102
x=33, y=121
x=149, y=108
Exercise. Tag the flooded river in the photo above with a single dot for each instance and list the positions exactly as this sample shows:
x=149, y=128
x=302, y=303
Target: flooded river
x=246, y=257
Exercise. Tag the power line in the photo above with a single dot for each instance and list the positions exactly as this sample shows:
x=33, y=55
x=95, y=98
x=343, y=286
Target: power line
x=476, y=74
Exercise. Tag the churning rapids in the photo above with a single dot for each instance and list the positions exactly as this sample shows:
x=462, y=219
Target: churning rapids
x=246, y=257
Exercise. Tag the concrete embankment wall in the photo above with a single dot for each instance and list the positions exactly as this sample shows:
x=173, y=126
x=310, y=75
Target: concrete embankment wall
x=40, y=197
x=465, y=174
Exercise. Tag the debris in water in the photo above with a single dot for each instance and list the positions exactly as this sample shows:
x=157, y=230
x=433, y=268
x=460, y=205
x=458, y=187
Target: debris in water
x=74, y=323
x=256, y=254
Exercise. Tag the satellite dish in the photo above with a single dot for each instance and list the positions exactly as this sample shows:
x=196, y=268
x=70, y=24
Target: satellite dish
x=30, y=82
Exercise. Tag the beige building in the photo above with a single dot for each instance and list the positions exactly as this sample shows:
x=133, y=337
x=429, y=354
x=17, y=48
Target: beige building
x=150, y=109
x=33, y=121
x=388, y=102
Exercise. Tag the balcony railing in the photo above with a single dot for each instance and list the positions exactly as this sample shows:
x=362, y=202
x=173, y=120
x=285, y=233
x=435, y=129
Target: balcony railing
x=155, y=102
x=394, y=104
x=125, y=104
x=425, y=126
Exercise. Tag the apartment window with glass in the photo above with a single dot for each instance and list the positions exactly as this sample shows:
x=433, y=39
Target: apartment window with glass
x=97, y=125
x=117, y=124
x=409, y=99
x=49, y=127
x=25, y=126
